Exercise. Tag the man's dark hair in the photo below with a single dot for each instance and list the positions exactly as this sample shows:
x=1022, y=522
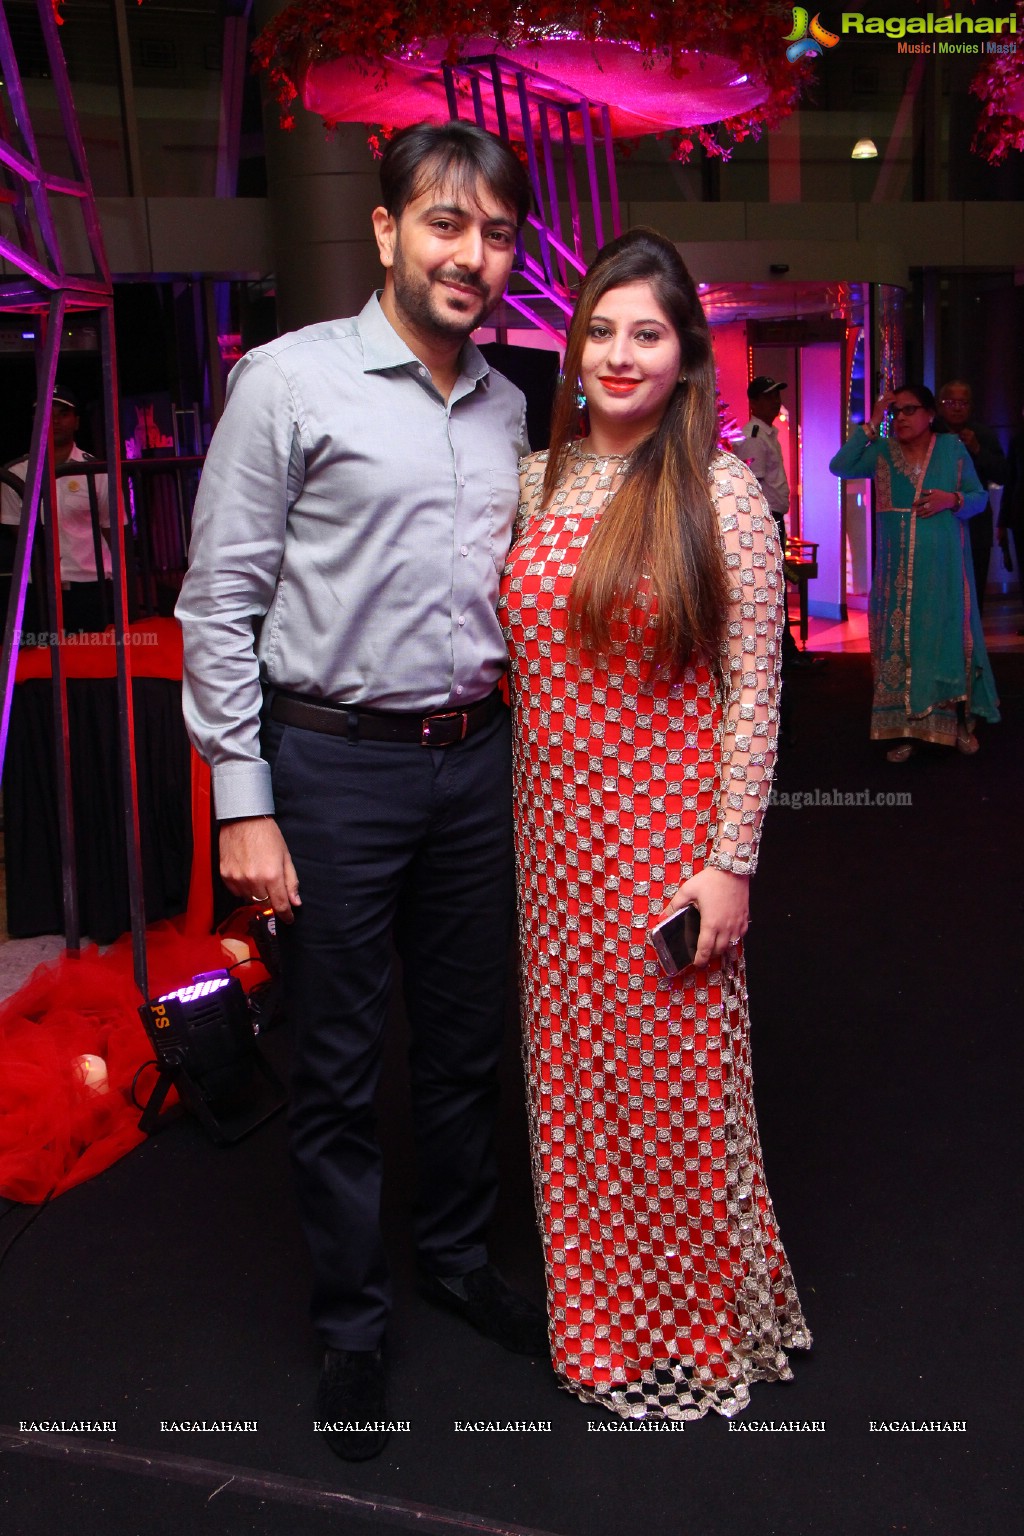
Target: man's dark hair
x=459, y=155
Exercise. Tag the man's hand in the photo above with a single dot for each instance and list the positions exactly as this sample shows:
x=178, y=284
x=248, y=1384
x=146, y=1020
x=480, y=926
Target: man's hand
x=970, y=440
x=256, y=865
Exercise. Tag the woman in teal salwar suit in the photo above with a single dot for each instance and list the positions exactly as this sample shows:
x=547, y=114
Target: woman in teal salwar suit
x=931, y=671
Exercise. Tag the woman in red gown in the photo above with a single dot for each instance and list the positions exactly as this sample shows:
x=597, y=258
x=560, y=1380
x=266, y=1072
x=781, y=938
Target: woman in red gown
x=642, y=606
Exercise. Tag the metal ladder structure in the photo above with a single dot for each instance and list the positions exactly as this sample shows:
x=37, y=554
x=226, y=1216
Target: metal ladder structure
x=35, y=236
x=559, y=128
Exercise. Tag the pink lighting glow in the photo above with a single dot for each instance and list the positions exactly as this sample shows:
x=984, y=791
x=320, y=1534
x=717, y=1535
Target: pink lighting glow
x=644, y=95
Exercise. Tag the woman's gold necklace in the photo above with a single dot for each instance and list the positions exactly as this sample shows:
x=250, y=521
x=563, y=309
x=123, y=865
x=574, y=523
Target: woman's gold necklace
x=913, y=470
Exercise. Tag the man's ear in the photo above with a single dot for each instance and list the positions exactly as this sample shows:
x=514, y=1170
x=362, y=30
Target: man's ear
x=385, y=230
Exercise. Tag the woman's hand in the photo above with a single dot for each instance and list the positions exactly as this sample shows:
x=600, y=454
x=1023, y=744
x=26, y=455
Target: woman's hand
x=930, y=502
x=880, y=407
x=724, y=904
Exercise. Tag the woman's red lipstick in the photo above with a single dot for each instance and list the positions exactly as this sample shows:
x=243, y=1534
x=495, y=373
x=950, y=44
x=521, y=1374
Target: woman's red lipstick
x=619, y=386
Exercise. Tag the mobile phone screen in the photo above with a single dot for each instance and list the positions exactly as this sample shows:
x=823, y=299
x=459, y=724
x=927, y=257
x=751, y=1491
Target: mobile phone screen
x=675, y=940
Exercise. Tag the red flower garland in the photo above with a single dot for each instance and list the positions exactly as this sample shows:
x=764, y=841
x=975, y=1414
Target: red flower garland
x=749, y=31
x=1000, y=85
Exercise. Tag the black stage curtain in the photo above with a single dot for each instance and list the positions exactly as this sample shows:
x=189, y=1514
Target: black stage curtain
x=34, y=897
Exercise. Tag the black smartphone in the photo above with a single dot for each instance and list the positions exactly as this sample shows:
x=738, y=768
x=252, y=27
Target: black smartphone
x=675, y=939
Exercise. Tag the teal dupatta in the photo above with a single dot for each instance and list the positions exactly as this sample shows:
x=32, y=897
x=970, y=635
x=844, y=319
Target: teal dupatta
x=927, y=649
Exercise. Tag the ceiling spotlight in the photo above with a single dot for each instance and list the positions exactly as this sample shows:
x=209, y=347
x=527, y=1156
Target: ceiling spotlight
x=864, y=149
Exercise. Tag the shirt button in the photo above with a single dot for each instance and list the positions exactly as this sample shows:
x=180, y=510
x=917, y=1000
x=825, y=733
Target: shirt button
x=423, y=372
x=462, y=479
x=462, y=619
x=458, y=690
x=463, y=550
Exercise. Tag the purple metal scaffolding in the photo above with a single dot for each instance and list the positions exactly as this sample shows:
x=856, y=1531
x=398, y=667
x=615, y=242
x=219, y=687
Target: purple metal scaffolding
x=32, y=242
x=556, y=124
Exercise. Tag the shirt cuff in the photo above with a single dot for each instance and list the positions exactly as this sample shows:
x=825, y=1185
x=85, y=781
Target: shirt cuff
x=242, y=789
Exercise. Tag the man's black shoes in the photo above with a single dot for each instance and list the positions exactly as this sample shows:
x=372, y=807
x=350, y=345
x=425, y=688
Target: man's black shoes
x=351, y=1401
x=484, y=1300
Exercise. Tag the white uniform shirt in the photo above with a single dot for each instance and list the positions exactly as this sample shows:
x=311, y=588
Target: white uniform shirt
x=74, y=524
x=761, y=450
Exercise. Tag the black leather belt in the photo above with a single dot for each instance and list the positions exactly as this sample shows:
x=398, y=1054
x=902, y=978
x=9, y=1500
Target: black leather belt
x=443, y=729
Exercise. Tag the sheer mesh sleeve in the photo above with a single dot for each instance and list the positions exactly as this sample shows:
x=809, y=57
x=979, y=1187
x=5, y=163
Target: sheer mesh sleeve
x=751, y=654
x=532, y=469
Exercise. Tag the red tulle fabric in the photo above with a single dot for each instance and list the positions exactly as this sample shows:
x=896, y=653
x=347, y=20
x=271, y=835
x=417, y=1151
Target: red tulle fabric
x=54, y=1131
x=155, y=649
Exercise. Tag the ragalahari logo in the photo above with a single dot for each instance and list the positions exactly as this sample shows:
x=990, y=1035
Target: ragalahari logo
x=802, y=45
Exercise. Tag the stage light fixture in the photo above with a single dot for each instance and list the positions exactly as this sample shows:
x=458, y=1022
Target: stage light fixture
x=205, y=1044
x=864, y=149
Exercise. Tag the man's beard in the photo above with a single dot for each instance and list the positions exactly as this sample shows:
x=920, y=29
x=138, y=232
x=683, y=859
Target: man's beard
x=414, y=297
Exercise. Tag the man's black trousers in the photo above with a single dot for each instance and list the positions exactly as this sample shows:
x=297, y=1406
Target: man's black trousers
x=393, y=838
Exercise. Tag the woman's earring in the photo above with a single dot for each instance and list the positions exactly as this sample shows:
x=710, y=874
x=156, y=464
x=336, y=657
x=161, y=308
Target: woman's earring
x=581, y=399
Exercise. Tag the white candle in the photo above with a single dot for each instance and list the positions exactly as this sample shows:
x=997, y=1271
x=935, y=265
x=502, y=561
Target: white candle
x=93, y=1072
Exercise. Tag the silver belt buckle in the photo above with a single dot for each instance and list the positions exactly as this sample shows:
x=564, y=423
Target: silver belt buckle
x=450, y=714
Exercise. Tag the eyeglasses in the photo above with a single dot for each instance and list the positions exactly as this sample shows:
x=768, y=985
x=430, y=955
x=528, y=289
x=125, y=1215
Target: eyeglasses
x=904, y=410
x=963, y=404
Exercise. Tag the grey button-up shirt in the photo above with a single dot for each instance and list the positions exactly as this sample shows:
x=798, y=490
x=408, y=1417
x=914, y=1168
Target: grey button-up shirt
x=364, y=520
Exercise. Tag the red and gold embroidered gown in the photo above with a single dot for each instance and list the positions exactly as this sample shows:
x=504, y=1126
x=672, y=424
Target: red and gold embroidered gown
x=668, y=1289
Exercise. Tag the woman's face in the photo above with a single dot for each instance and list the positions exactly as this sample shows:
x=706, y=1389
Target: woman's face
x=910, y=426
x=631, y=362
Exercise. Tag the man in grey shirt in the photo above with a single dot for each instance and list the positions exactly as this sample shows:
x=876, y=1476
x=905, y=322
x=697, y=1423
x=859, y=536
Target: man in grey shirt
x=356, y=506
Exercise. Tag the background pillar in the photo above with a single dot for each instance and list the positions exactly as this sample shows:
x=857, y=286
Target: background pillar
x=321, y=191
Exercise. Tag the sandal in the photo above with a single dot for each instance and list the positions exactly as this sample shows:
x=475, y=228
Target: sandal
x=901, y=753
x=966, y=741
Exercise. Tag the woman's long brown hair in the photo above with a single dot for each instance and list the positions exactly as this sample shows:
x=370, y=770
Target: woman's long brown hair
x=661, y=522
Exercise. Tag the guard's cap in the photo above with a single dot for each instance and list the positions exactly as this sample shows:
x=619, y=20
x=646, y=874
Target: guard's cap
x=63, y=396
x=763, y=385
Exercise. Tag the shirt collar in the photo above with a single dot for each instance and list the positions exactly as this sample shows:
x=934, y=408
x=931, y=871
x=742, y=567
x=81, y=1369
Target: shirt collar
x=770, y=428
x=384, y=348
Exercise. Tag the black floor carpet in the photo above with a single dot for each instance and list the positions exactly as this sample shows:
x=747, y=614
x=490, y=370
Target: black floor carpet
x=884, y=961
